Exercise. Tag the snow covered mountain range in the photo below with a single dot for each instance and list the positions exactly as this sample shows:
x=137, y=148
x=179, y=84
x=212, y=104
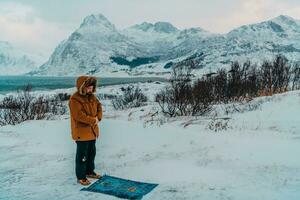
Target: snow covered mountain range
x=97, y=47
x=14, y=61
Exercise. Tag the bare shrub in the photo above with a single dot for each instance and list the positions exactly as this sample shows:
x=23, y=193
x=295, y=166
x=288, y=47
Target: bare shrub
x=242, y=106
x=24, y=106
x=201, y=98
x=63, y=96
x=241, y=83
x=182, y=97
x=219, y=125
x=295, y=77
x=105, y=96
x=131, y=97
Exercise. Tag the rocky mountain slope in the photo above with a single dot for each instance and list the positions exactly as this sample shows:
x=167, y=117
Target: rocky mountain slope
x=98, y=47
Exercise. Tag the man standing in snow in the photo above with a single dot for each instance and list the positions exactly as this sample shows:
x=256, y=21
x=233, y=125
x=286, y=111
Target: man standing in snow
x=85, y=113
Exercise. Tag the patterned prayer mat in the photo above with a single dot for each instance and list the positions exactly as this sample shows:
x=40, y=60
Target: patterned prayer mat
x=122, y=188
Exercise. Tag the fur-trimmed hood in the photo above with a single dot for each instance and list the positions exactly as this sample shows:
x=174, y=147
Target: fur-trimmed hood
x=83, y=81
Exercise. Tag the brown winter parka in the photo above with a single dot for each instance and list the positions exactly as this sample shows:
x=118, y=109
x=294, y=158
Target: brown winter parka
x=84, y=108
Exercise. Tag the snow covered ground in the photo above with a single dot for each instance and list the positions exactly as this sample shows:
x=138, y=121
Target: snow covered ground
x=256, y=157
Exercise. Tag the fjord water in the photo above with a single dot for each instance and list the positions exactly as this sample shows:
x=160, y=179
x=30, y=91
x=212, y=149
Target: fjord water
x=14, y=83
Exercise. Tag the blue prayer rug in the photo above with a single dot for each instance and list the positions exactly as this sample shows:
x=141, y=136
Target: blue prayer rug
x=122, y=188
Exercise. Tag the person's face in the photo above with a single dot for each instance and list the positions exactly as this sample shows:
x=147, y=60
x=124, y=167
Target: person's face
x=89, y=89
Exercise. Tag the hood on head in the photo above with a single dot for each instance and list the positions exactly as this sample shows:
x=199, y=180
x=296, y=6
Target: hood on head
x=83, y=81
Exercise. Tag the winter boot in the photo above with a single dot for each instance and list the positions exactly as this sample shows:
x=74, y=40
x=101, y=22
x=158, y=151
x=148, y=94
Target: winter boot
x=83, y=181
x=93, y=175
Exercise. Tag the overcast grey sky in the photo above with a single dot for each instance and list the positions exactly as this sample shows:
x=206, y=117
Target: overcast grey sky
x=39, y=25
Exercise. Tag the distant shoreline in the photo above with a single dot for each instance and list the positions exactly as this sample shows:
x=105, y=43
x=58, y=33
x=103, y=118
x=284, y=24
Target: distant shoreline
x=14, y=83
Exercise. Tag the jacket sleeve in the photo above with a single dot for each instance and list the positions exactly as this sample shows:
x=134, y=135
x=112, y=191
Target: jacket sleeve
x=99, y=110
x=76, y=111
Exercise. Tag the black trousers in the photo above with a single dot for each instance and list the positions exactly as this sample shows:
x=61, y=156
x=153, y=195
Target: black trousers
x=85, y=158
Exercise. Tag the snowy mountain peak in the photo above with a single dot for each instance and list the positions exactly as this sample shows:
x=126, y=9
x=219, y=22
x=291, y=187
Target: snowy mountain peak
x=160, y=27
x=287, y=22
x=145, y=26
x=5, y=45
x=95, y=21
x=14, y=61
x=281, y=26
x=98, y=47
x=195, y=30
x=165, y=27
x=284, y=18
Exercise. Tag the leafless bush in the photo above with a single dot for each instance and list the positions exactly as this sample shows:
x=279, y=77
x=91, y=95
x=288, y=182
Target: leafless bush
x=152, y=118
x=241, y=83
x=201, y=98
x=63, y=96
x=24, y=106
x=247, y=80
x=167, y=101
x=218, y=125
x=184, y=98
x=275, y=76
x=295, y=77
x=106, y=96
x=131, y=97
x=242, y=106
